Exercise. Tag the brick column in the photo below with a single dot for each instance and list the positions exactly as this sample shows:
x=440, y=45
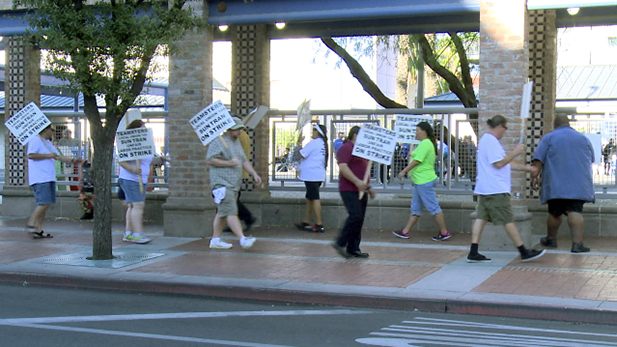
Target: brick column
x=543, y=73
x=22, y=86
x=504, y=66
x=251, y=88
x=189, y=209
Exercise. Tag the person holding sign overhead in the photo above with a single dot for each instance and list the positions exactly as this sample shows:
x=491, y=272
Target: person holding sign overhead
x=226, y=159
x=313, y=173
x=421, y=170
x=352, y=170
x=42, y=178
x=131, y=173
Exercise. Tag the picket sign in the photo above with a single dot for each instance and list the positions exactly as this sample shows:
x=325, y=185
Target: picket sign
x=27, y=123
x=405, y=126
x=374, y=143
x=211, y=122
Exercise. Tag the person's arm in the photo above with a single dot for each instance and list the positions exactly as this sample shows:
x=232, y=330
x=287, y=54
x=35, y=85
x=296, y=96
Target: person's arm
x=408, y=168
x=538, y=165
x=349, y=175
x=518, y=150
x=217, y=162
x=40, y=156
x=249, y=168
x=130, y=168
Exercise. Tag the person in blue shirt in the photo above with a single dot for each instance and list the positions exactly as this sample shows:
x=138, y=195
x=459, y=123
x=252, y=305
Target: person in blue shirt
x=564, y=160
x=338, y=142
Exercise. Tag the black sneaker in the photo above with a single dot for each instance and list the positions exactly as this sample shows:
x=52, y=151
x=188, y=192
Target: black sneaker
x=550, y=243
x=302, y=226
x=478, y=258
x=357, y=254
x=579, y=248
x=340, y=249
x=532, y=254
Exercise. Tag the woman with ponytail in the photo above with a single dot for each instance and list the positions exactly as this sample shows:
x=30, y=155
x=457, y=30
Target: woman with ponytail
x=313, y=173
x=421, y=170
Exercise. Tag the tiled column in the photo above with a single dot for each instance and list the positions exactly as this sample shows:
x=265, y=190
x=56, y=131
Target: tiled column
x=189, y=209
x=22, y=86
x=543, y=73
x=504, y=66
x=251, y=88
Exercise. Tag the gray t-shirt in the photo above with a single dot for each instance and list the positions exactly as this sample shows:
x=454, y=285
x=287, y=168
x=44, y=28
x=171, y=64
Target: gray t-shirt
x=229, y=176
x=566, y=156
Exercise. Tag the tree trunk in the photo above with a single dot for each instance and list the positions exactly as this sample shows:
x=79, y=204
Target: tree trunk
x=103, y=141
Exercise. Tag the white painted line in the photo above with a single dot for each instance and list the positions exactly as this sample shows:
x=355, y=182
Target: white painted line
x=177, y=315
x=149, y=336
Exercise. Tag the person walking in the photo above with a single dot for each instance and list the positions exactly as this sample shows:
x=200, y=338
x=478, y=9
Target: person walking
x=607, y=154
x=351, y=184
x=493, y=186
x=313, y=173
x=421, y=170
x=42, y=178
x=338, y=142
x=226, y=160
x=131, y=172
x=564, y=156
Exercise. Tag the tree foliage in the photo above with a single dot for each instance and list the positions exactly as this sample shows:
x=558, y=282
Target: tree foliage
x=106, y=49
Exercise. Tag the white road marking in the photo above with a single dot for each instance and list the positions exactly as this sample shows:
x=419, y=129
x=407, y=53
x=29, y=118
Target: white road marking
x=439, y=332
x=177, y=315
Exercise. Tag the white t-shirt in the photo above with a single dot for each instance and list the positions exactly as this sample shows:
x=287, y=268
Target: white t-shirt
x=491, y=180
x=44, y=170
x=145, y=171
x=313, y=164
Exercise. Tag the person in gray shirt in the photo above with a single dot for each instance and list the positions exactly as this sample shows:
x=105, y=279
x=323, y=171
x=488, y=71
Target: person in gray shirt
x=564, y=160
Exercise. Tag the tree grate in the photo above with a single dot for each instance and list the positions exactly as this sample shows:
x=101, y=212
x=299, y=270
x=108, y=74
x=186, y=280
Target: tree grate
x=121, y=259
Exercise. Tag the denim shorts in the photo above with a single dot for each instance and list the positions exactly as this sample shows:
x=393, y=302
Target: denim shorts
x=131, y=191
x=424, y=196
x=44, y=193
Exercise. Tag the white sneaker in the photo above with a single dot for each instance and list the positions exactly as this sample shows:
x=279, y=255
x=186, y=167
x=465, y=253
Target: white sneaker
x=247, y=242
x=220, y=244
x=139, y=239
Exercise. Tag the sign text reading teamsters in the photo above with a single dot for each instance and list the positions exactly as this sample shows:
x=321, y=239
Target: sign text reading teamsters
x=135, y=144
x=211, y=122
x=375, y=143
x=27, y=123
x=405, y=126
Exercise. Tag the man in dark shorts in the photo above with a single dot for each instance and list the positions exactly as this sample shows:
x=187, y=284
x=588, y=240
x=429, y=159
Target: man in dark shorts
x=563, y=159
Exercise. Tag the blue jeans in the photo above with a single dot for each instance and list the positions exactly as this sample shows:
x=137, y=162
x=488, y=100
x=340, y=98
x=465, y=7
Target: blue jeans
x=424, y=196
x=44, y=193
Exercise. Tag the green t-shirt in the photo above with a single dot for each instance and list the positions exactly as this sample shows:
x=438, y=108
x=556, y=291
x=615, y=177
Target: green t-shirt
x=425, y=171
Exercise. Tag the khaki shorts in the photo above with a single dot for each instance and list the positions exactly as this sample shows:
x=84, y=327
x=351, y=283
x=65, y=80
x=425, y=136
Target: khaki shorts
x=228, y=206
x=495, y=209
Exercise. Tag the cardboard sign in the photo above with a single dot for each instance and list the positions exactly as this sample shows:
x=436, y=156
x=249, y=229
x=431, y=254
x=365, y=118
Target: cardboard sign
x=375, y=143
x=27, y=123
x=405, y=126
x=304, y=114
x=211, y=122
x=135, y=144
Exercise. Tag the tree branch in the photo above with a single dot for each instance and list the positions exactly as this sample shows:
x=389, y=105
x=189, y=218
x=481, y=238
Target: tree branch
x=358, y=73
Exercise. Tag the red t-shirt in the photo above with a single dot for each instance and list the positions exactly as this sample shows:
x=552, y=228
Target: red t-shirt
x=356, y=164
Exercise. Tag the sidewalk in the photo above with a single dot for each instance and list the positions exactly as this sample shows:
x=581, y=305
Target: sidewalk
x=288, y=265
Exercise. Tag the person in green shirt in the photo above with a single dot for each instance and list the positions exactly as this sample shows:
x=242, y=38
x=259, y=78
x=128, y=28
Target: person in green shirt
x=421, y=170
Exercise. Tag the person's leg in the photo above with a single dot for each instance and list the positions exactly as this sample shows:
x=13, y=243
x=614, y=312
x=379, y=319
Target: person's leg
x=476, y=230
x=308, y=212
x=353, y=207
x=513, y=233
x=244, y=214
x=577, y=226
x=137, y=212
x=129, y=222
x=410, y=223
x=37, y=217
x=441, y=222
x=234, y=224
x=416, y=210
x=552, y=225
x=317, y=209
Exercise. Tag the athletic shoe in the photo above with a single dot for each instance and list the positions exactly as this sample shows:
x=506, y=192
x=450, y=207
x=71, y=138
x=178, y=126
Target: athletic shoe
x=127, y=238
x=302, y=226
x=357, y=254
x=318, y=228
x=401, y=233
x=139, y=239
x=220, y=244
x=532, y=254
x=442, y=237
x=340, y=249
x=247, y=242
x=546, y=242
x=579, y=248
x=478, y=258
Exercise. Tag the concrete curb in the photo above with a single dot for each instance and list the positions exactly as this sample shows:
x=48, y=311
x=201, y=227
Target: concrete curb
x=265, y=294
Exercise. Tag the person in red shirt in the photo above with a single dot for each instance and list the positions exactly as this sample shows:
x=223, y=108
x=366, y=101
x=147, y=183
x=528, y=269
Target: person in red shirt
x=351, y=183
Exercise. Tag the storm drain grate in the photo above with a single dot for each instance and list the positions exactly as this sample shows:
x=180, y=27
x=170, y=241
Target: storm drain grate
x=122, y=259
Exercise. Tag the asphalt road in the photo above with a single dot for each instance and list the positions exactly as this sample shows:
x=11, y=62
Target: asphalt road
x=65, y=317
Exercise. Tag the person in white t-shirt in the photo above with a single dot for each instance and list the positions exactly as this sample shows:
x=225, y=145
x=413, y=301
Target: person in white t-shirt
x=42, y=178
x=493, y=185
x=313, y=173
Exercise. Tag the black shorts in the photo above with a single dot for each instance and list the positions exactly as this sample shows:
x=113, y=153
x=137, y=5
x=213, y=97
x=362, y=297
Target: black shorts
x=557, y=207
x=312, y=190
